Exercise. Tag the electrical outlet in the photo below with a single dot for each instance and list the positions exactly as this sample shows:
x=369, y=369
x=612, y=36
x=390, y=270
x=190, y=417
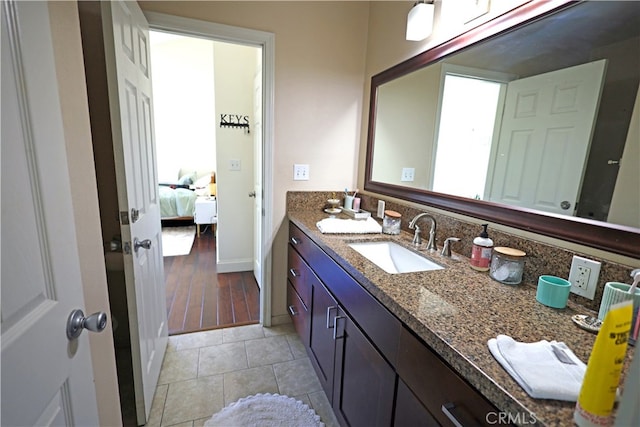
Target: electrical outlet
x=584, y=276
x=407, y=174
x=234, y=165
x=300, y=172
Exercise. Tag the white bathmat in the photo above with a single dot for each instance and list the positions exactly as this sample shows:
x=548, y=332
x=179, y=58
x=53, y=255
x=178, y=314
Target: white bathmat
x=177, y=240
x=266, y=410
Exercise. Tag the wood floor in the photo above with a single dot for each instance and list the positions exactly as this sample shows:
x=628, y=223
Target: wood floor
x=200, y=298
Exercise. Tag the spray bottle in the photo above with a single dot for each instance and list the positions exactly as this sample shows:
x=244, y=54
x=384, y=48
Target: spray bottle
x=481, y=251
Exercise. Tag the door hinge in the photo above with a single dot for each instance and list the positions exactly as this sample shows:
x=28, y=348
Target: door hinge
x=124, y=218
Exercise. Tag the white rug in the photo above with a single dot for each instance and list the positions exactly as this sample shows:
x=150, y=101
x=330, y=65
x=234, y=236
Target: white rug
x=177, y=240
x=266, y=410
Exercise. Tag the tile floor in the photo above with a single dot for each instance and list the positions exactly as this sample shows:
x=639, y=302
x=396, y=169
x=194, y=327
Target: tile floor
x=203, y=372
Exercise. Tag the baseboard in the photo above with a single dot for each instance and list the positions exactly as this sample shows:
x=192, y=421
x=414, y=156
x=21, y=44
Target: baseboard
x=234, y=266
x=281, y=319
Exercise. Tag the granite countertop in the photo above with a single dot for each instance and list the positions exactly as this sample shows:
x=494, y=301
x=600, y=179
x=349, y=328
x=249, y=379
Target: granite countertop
x=457, y=310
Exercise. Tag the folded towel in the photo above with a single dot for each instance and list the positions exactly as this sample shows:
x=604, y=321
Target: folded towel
x=356, y=226
x=545, y=370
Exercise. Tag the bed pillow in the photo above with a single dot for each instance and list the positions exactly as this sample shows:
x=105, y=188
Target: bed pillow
x=186, y=180
x=203, y=181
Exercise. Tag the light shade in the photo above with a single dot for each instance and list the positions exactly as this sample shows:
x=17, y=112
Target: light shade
x=420, y=21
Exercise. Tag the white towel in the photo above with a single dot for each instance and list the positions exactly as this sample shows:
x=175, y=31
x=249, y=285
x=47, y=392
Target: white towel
x=542, y=372
x=356, y=226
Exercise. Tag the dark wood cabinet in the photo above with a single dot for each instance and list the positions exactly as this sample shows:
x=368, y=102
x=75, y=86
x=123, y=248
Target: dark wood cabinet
x=374, y=371
x=355, y=374
x=444, y=394
x=322, y=344
x=299, y=313
x=410, y=412
x=364, y=381
x=300, y=276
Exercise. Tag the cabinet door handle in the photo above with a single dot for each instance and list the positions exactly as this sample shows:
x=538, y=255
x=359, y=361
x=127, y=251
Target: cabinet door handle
x=292, y=310
x=293, y=272
x=331, y=307
x=295, y=241
x=458, y=415
x=335, y=329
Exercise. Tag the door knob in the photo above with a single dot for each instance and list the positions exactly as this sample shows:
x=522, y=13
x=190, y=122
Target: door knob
x=252, y=194
x=137, y=244
x=77, y=322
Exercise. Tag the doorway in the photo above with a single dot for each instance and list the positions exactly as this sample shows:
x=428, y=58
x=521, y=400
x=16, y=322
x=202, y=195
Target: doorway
x=207, y=118
x=220, y=32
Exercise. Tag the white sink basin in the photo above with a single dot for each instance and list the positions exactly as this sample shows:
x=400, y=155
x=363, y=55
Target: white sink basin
x=394, y=258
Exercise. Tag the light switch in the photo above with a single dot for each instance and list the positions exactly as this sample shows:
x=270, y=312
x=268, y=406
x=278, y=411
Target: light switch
x=407, y=174
x=300, y=172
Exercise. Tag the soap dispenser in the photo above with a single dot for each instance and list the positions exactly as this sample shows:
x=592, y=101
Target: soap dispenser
x=481, y=250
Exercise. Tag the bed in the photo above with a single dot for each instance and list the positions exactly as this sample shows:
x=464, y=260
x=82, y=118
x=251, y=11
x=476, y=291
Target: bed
x=178, y=199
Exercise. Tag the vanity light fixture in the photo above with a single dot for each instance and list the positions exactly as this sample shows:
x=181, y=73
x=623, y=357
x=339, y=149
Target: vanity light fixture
x=420, y=20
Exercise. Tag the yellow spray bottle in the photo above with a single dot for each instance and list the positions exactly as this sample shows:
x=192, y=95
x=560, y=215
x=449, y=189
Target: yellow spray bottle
x=601, y=379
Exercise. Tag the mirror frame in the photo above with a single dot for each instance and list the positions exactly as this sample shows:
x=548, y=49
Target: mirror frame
x=619, y=239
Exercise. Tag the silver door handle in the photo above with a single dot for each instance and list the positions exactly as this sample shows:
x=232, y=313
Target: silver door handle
x=458, y=416
x=335, y=327
x=77, y=322
x=137, y=244
x=252, y=194
x=331, y=307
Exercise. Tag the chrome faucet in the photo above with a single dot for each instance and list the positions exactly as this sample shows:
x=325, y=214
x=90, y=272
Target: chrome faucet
x=446, y=248
x=431, y=245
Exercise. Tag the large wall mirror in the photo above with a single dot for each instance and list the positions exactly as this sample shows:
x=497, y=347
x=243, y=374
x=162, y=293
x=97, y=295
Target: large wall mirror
x=531, y=120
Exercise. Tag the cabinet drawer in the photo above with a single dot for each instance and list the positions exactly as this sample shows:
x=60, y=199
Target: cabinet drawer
x=445, y=394
x=299, y=275
x=299, y=314
x=300, y=241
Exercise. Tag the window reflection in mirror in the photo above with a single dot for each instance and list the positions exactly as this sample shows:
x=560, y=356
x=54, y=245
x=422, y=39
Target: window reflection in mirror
x=465, y=133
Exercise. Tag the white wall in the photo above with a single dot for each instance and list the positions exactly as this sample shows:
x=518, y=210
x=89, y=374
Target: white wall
x=407, y=109
x=234, y=70
x=184, y=104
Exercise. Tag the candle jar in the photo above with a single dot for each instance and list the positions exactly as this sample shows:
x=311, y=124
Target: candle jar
x=507, y=265
x=391, y=222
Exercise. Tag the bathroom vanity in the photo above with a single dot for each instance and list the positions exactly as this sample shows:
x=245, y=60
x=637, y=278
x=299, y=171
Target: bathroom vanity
x=411, y=349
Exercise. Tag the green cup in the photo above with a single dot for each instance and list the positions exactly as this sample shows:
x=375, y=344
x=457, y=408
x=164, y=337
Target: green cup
x=614, y=293
x=553, y=291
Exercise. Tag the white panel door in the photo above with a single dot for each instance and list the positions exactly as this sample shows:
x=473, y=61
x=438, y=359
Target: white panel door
x=257, y=171
x=545, y=138
x=46, y=379
x=129, y=75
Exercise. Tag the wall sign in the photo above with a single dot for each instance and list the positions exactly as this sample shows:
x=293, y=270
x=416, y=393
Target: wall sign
x=234, y=121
